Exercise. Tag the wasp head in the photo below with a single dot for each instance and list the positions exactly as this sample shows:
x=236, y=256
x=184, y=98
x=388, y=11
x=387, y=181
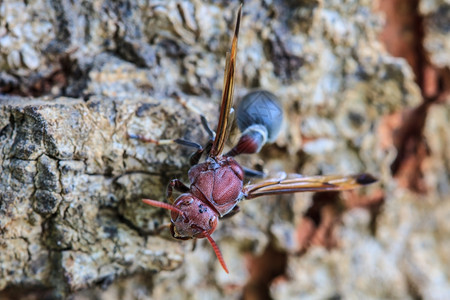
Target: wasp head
x=196, y=220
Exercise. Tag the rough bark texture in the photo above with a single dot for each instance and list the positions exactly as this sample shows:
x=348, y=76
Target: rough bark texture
x=71, y=218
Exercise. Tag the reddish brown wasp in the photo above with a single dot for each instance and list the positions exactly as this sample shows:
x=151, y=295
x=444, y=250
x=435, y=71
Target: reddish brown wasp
x=216, y=185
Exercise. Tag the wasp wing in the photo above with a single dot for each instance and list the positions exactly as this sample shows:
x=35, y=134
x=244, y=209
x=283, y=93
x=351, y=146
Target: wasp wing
x=295, y=183
x=227, y=93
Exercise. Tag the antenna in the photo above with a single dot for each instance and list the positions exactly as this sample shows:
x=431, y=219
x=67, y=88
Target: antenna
x=216, y=250
x=163, y=205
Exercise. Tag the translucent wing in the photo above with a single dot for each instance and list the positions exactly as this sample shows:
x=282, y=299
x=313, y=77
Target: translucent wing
x=295, y=183
x=227, y=93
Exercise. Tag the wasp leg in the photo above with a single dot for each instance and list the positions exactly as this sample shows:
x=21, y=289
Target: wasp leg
x=195, y=158
x=253, y=173
x=149, y=140
x=182, y=142
x=208, y=129
x=194, y=109
x=177, y=185
x=234, y=211
x=194, y=244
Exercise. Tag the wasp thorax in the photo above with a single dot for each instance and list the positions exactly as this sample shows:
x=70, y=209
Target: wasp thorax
x=197, y=218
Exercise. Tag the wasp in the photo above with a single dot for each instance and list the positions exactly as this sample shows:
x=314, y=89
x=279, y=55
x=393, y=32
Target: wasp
x=217, y=184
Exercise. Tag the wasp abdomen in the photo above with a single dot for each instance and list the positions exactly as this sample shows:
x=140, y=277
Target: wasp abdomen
x=260, y=108
x=259, y=117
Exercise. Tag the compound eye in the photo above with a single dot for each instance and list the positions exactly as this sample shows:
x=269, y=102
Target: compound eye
x=187, y=202
x=213, y=221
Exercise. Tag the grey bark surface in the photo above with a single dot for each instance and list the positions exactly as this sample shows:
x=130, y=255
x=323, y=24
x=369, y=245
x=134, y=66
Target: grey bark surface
x=72, y=223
